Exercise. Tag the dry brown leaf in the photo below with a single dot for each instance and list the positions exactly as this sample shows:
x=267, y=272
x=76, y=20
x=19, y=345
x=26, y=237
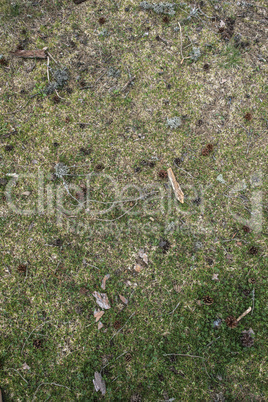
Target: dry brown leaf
x=103, y=283
x=123, y=299
x=239, y=243
x=175, y=185
x=143, y=256
x=138, y=268
x=98, y=314
x=99, y=383
x=102, y=300
x=30, y=54
x=100, y=325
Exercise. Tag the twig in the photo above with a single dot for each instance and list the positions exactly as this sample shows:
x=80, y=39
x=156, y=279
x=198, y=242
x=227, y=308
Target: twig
x=31, y=334
x=243, y=315
x=128, y=83
x=123, y=326
x=182, y=58
x=18, y=374
x=179, y=354
x=210, y=343
x=48, y=383
x=175, y=308
x=52, y=57
x=48, y=69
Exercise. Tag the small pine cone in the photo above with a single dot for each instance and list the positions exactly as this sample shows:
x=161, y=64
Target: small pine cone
x=37, y=343
x=253, y=250
x=248, y=116
x=210, y=147
x=246, y=292
x=231, y=321
x=252, y=280
x=208, y=300
x=117, y=325
x=162, y=174
x=128, y=357
x=205, y=151
x=22, y=268
x=246, y=229
x=247, y=340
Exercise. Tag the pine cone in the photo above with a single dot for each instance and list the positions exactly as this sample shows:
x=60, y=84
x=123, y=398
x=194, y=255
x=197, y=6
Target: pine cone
x=205, y=151
x=247, y=340
x=37, y=343
x=246, y=292
x=253, y=250
x=231, y=321
x=208, y=300
x=246, y=229
x=162, y=174
x=128, y=357
x=117, y=324
x=248, y=116
x=22, y=268
x=252, y=280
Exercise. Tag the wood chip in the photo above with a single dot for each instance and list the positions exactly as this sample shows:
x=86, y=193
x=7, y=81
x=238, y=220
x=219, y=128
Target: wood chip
x=98, y=314
x=30, y=54
x=175, y=185
x=102, y=300
x=103, y=283
x=100, y=325
x=99, y=383
x=123, y=299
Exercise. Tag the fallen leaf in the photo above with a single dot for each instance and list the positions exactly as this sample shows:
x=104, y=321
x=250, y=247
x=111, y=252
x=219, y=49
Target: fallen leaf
x=143, y=256
x=103, y=283
x=100, y=325
x=239, y=243
x=123, y=299
x=215, y=277
x=138, y=268
x=99, y=383
x=25, y=366
x=32, y=54
x=98, y=314
x=102, y=300
x=175, y=185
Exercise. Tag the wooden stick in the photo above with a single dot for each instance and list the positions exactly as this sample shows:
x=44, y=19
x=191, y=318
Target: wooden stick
x=243, y=315
x=175, y=185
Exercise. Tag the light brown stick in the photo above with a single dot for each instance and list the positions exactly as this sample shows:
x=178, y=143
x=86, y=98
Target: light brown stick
x=243, y=315
x=175, y=185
